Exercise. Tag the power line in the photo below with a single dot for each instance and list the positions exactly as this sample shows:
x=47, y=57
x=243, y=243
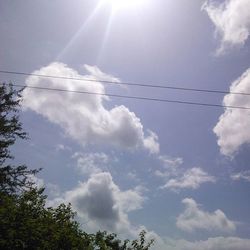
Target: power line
x=127, y=83
x=133, y=97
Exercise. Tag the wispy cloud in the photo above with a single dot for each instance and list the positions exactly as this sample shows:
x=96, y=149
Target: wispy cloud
x=170, y=166
x=170, y=161
x=190, y=179
x=62, y=147
x=244, y=175
x=91, y=163
x=216, y=243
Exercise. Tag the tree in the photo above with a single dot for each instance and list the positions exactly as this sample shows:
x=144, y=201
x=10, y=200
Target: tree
x=26, y=223
x=11, y=178
x=106, y=241
x=10, y=126
x=141, y=243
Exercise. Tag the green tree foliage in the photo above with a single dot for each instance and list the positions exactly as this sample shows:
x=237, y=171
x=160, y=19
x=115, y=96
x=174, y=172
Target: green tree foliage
x=10, y=126
x=11, y=178
x=27, y=224
x=141, y=243
x=25, y=220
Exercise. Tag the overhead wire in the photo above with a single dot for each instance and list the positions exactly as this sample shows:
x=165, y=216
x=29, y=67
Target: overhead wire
x=127, y=83
x=132, y=97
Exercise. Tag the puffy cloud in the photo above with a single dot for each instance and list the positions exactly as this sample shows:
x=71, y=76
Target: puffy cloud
x=84, y=117
x=217, y=243
x=101, y=202
x=150, y=142
x=244, y=175
x=232, y=21
x=194, y=218
x=192, y=178
x=233, y=127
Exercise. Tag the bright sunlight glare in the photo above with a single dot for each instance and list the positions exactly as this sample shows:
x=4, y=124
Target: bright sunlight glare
x=120, y=4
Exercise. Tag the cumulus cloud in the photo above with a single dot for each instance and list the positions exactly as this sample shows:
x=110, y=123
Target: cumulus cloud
x=84, y=117
x=150, y=142
x=101, y=202
x=98, y=74
x=216, y=243
x=191, y=179
x=232, y=21
x=233, y=127
x=194, y=218
x=244, y=175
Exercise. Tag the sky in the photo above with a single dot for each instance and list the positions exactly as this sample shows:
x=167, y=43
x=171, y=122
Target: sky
x=179, y=171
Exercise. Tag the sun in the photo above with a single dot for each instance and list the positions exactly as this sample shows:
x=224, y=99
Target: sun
x=121, y=4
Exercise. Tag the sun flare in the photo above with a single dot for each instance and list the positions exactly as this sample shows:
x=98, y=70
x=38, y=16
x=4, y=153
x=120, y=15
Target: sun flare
x=121, y=4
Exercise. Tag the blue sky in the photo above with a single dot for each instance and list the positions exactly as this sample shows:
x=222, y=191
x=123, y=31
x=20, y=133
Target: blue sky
x=181, y=172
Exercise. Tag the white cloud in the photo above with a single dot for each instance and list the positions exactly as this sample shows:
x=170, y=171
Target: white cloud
x=192, y=178
x=101, y=202
x=91, y=163
x=99, y=75
x=150, y=142
x=84, y=117
x=233, y=127
x=217, y=243
x=232, y=21
x=244, y=175
x=194, y=218
x=177, y=178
